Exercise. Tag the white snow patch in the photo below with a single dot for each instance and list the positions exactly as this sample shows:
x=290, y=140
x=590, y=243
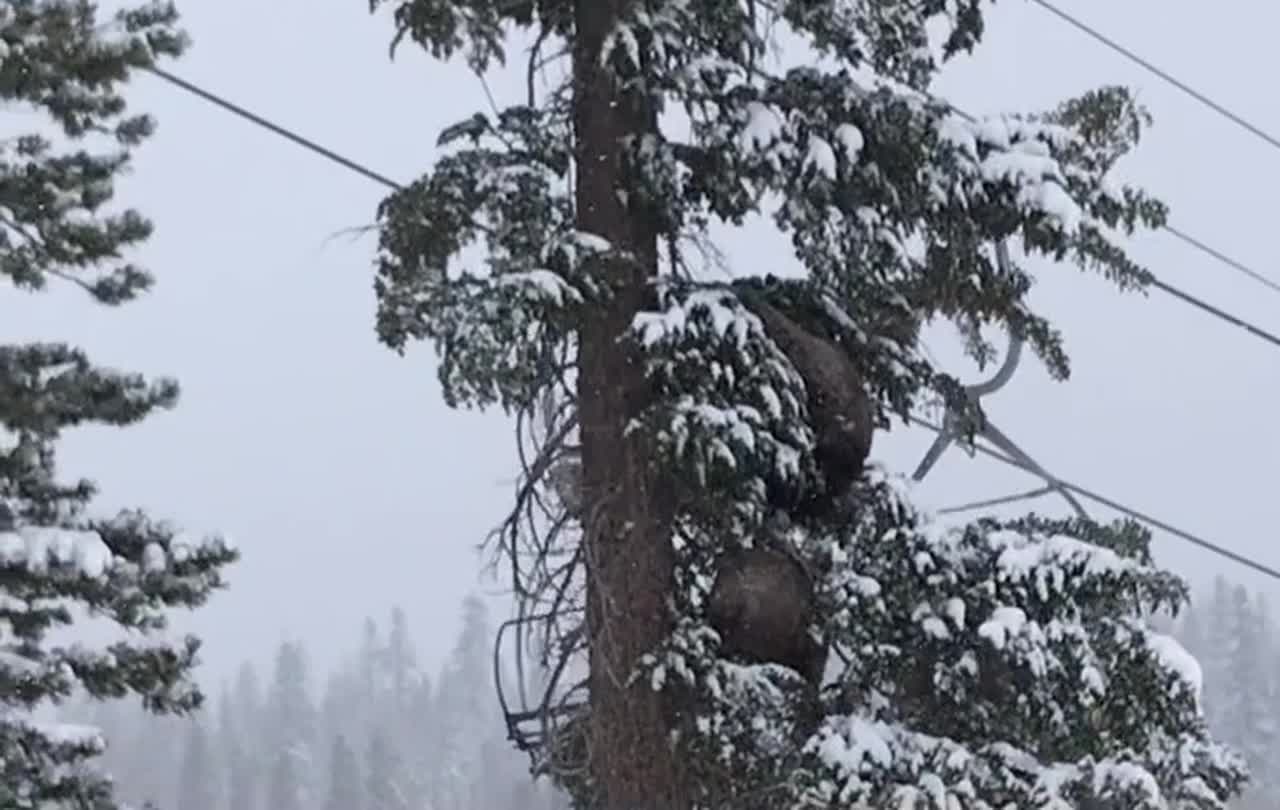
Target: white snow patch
x=821, y=158
x=764, y=126
x=1175, y=658
x=542, y=284
x=726, y=319
x=154, y=559
x=55, y=734
x=38, y=548
x=859, y=743
x=1006, y=622
x=851, y=141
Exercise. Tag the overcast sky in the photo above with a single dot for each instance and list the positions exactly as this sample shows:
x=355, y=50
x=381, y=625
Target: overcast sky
x=350, y=486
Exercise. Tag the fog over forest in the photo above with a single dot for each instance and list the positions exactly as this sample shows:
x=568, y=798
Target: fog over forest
x=386, y=730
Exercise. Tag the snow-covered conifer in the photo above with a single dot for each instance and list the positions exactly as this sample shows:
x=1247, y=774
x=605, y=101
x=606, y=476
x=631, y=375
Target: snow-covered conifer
x=60, y=563
x=293, y=728
x=995, y=665
x=198, y=784
x=346, y=789
x=384, y=775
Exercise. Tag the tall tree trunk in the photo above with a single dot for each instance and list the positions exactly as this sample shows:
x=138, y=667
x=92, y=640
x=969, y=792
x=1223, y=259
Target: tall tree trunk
x=629, y=555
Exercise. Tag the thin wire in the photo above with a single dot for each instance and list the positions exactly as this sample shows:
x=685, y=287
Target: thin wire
x=1204, y=306
x=1234, y=264
x=1163, y=75
x=287, y=134
x=990, y=502
x=1110, y=503
x=383, y=180
x=1235, y=118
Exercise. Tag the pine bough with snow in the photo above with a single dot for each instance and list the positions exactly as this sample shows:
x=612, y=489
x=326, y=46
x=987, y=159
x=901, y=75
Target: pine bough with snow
x=1005, y=664
x=58, y=564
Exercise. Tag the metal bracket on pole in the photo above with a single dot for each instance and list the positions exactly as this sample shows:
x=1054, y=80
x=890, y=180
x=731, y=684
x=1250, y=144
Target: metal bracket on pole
x=954, y=423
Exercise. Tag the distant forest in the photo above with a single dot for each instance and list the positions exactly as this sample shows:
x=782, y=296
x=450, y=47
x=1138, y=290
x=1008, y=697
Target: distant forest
x=380, y=733
x=1234, y=636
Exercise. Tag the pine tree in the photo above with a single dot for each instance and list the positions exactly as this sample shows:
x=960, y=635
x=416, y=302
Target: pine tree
x=345, y=787
x=723, y=425
x=401, y=660
x=228, y=726
x=285, y=789
x=384, y=786
x=230, y=747
x=341, y=710
x=1269, y=773
x=244, y=764
x=59, y=224
x=422, y=744
x=1192, y=634
x=1248, y=715
x=462, y=705
x=1220, y=643
x=292, y=728
x=197, y=780
x=369, y=662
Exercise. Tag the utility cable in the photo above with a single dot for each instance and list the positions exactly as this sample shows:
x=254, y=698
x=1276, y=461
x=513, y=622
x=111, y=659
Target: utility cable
x=990, y=502
x=364, y=171
x=1129, y=511
x=287, y=134
x=1212, y=252
x=368, y=173
x=1163, y=75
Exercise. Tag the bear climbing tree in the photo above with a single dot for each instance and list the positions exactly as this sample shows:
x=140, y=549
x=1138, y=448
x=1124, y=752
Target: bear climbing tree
x=722, y=428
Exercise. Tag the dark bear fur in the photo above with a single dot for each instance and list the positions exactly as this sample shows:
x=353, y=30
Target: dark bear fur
x=841, y=410
x=762, y=605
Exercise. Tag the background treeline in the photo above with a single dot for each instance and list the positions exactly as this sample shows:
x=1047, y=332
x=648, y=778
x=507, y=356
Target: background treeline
x=1233, y=634
x=380, y=733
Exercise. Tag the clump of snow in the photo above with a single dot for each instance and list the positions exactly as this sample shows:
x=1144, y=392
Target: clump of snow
x=154, y=559
x=59, y=735
x=542, y=284
x=851, y=141
x=1044, y=561
x=1018, y=153
x=854, y=745
x=727, y=319
x=1006, y=622
x=821, y=158
x=38, y=548
x=764, y=126
x=1175, y=658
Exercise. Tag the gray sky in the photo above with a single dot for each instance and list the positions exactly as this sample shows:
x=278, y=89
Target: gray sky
x=348, y=484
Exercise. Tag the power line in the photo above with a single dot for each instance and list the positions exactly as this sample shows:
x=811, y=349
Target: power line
x=1234, y=264
x=289, y=135
x=1181, y=534
x=1090, y=31
x=1221, y=314
x=990, y=502
x=1235, y=118
x=381, y=179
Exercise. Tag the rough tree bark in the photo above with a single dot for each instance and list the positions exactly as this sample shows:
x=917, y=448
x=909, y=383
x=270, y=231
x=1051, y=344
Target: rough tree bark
x=629, y=556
